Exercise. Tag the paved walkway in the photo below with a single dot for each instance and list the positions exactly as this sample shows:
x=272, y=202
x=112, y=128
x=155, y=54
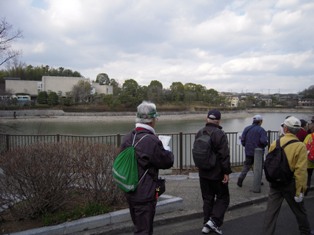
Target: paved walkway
x=187, y=187
x=183, y=202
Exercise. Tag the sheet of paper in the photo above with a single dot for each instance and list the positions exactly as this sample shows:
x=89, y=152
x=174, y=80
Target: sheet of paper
x=165, y=139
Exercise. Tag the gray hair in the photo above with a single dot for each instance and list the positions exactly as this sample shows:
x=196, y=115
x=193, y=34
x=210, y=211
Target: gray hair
x=146, y=112
x=293, y=130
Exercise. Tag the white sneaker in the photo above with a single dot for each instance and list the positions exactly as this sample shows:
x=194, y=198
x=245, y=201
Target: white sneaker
x=214, y=227
x=205, y=230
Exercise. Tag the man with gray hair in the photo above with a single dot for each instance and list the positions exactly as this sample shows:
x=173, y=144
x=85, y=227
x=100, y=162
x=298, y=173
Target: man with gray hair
x=151, y=156
x=292, y=192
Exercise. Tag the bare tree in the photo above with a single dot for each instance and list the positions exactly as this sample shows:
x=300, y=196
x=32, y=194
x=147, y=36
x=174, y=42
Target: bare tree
x=6, y=38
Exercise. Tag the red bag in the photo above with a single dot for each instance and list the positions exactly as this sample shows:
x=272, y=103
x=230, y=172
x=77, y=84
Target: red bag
x=310, y=148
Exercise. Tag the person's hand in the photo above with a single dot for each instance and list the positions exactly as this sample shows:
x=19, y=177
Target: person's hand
x=168, y=148
x=299, y=198
x=225, y=179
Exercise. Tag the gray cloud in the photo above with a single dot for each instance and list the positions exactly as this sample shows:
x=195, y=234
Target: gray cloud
x=225, y=45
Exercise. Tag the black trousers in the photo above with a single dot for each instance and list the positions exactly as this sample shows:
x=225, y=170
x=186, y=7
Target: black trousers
x=216, y=200
x=142, y=215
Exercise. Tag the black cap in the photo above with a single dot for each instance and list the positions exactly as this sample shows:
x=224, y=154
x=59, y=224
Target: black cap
x=214, y=114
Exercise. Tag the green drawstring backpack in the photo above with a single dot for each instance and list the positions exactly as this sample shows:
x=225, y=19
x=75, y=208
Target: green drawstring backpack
x=125, y=171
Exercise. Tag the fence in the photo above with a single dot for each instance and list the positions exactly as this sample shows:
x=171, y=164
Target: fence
x=181, y=144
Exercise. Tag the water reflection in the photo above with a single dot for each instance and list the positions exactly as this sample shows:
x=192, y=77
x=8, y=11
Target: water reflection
x=271, y=122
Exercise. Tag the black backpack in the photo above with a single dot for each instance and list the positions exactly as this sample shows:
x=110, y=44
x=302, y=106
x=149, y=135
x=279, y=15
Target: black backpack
x=276, y=167
x=203, y=154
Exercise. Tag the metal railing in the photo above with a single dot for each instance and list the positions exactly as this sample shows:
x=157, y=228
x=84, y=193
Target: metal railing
x=181, y=144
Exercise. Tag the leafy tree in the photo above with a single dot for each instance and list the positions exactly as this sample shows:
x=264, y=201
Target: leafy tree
x=212, y=97
x=129, y=93
x=154, y=92
x=308, y=93
x=42, y=97
x=115, y=86
x=6, y=38
x=103, y=79
x=142, y=94
x=28, y=72
x=53, y=98
x=190, y=92
x=15, y=68
x=81, y=92
x=177, y=91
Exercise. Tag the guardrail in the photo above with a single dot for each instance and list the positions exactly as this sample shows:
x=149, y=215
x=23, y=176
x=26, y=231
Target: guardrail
x=181, y=144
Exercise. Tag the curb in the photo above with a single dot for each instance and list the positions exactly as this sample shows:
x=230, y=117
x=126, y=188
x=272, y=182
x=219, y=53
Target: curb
x=166, y=204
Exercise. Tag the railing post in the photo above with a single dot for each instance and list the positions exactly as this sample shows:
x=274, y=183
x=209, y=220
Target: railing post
x=258, y=170
x=58, y=138
x=118, y=140
x=269, y=133
x=7, y=140
x=181, y=151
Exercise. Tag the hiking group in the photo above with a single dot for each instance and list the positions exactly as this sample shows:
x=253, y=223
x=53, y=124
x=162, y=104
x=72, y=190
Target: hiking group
x=143, y=153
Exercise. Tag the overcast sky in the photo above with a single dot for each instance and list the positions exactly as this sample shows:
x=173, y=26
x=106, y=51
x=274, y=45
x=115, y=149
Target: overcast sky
x=261, y=46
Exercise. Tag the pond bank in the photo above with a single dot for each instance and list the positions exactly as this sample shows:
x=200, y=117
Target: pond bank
x=60, y=115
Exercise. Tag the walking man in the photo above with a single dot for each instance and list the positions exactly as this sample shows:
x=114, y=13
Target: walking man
x=151, y=156
x=293, y=192
x=214, y=182
x=253, y=136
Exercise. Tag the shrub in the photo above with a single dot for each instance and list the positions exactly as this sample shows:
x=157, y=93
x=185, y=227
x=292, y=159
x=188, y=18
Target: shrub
x=41, y=178
x=95, y=169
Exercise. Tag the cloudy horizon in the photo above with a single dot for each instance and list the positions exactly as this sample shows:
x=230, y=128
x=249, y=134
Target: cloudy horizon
x=235, y=46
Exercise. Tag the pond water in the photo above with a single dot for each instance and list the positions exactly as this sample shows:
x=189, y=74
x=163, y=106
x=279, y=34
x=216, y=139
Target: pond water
x=271, y=122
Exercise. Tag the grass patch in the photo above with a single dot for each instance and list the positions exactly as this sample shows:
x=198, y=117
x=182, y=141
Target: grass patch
x=77, y=212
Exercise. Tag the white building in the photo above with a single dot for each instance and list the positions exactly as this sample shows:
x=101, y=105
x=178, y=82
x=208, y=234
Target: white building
x=234, y=101
x=60, y=85
x=102, y=89
x=15, y=86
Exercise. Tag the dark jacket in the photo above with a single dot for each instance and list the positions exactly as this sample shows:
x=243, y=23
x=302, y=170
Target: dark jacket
x=150, y=155
x=221, y=148
x=253, y=136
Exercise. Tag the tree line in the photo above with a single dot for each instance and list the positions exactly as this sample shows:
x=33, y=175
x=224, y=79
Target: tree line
x=126, y=95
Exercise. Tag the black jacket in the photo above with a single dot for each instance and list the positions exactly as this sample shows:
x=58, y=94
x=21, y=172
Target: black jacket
x=221, y=148
x=152, y=156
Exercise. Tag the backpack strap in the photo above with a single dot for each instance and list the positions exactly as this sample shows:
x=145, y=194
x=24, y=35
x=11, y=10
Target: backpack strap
x=134, y=145
x=289, y=142
x=142, y=177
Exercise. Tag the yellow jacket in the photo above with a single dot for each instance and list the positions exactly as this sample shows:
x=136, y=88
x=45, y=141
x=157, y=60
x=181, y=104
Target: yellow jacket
x=309, y=138
x=297, y=157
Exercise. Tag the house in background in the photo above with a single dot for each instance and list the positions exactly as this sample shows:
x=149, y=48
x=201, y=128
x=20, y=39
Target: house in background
x=234, y=101
x=60, y=85
x=102, y=89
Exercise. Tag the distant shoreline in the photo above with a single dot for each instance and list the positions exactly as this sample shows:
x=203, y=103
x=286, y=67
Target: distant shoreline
x=60, y=116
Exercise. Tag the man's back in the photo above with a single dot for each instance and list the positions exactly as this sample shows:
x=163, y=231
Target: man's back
x=254, y=136
x=221, y=149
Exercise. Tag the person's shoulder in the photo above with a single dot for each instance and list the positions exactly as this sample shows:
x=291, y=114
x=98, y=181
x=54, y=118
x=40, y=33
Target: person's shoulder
x=262, y=129
x=248, y=127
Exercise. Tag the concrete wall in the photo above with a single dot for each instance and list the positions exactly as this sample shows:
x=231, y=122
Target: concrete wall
x=21, y=86
x=60, y=84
